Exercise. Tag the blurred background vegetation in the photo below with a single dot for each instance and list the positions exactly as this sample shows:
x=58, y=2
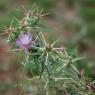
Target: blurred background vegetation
x=70, y=21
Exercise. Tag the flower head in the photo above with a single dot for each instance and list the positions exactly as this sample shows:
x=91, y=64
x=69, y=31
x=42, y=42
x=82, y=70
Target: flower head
x=93, y=87
x=25, y=41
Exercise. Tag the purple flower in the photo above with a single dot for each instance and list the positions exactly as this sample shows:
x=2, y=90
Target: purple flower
x=25, y=41
x=93, y=87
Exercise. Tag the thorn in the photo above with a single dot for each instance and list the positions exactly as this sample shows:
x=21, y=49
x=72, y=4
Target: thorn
x=11, y=24
x=16, y=18
x=44, y=14
x=24, y=8
x=34, y=4
x=41, y=11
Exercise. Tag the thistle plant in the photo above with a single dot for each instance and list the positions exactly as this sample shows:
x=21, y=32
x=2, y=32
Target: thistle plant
x=45, y=65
